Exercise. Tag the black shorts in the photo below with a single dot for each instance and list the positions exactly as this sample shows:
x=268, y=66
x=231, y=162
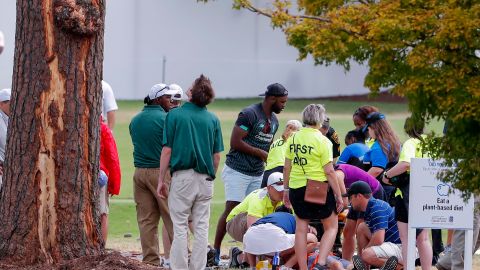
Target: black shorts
x=306, y=210
x=401, y=206
x=267, y=173
x=355, y=215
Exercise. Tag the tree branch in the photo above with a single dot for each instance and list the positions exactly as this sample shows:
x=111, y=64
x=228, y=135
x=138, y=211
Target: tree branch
x=249, y=6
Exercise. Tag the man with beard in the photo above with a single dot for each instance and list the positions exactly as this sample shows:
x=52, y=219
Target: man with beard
x=252, y=135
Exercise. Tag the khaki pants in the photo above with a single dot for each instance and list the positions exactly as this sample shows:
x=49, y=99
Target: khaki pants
x=237, y=227
x=150, y=208
x=190, y=195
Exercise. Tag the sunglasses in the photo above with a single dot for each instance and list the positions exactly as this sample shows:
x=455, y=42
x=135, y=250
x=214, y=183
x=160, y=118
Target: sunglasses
x=156, y=94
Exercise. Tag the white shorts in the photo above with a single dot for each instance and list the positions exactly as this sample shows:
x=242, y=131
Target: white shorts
x=239, y=185
x=103, y=200
x=388, y=249
x=264, y=239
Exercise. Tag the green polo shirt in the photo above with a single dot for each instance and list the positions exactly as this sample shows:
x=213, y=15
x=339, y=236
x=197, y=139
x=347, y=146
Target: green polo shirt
x=194, y=134
x=146, y=131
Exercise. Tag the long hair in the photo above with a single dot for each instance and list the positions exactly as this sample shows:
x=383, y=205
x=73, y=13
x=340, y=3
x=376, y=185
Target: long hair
x=414, y=127
x=386, y=136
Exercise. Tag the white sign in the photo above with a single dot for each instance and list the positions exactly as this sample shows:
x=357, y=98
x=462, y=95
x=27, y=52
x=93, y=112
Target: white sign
x=434, y=204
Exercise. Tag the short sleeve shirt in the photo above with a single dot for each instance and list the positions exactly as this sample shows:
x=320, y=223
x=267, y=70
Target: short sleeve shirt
x=376, y=157
x=194, y=135
x=276, y=155
x=357, y=150
x=256, y=204
x=332, y=135
x=411, y=148
x=283, y=220
x=313, y=151
x=353, y=174
x=379, y=215
x=108, y=99
x=261, y=130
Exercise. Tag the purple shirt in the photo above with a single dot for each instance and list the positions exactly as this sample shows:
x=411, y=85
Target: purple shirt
x=354, y=174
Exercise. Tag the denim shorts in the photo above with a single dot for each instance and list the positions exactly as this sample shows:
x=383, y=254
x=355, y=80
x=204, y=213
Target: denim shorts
x=239, y=185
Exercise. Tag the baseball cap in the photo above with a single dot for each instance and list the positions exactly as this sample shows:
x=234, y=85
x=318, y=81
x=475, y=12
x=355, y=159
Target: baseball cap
x=159, y=90
x=276, y=90
x=5, y=94
x=372, y=118
x=276, y=181
x=179, y=91
x=359, y=187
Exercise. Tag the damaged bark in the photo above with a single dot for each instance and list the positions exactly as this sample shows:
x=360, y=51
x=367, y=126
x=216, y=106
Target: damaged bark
x=48, y=202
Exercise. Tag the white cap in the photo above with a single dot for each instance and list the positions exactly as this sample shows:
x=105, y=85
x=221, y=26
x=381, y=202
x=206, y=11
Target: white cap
x=5, y=94
x=274, y=179
x=179, y=94
x=159, y=90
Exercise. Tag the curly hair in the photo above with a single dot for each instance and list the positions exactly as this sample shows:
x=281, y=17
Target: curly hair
x=386, y=137
x=364, y=111
x=202, y=92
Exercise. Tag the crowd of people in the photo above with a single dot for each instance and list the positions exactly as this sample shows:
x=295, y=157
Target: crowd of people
x=284, y=198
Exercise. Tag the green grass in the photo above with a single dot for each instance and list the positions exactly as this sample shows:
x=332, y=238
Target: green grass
x=122, y=208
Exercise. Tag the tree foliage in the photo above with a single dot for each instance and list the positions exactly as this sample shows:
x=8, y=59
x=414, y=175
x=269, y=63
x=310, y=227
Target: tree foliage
x=425, y=50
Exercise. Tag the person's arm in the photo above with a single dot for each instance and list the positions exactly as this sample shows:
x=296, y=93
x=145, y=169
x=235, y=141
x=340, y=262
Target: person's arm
x=162, y=189
x=375, y=171
x=250, y=220
x=341, y=185
x=398, y=169
x=111, y=119
x=333, y=182
x=237, y=143
x=287, y=168
x=216, y=161
x=377, y=239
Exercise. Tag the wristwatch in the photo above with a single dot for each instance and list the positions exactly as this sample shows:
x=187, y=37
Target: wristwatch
x=385, y=175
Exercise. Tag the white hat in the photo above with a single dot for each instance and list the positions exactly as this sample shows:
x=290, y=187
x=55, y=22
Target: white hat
x=267, y=238
x=159, y=90
x=5, y=94
x=273, y=180
x=179, y=94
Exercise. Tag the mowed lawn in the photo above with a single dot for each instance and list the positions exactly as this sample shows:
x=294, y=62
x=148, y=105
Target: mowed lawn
x=122, y=208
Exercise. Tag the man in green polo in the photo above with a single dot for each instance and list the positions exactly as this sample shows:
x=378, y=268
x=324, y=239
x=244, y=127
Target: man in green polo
x=192, y=143
x=146, y=130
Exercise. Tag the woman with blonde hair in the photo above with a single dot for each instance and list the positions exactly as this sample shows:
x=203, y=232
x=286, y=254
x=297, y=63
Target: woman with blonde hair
x=308, y=163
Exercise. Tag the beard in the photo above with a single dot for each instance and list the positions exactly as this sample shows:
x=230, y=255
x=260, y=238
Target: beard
x=276, y=109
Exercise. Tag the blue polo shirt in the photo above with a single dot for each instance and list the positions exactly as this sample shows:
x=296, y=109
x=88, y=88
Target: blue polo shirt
x=376, y=157
x=283, y=220
x=379, y=215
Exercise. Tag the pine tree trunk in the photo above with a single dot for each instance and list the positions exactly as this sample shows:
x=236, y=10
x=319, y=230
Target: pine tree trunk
x=48, y=203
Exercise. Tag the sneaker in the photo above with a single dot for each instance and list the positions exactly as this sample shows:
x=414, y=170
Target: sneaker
x=358, y=263
x=234, y=252
x=390, y=264
x=211, y=257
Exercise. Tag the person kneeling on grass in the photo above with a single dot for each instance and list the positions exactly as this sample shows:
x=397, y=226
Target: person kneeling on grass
x=377, y=238
x=256, y=205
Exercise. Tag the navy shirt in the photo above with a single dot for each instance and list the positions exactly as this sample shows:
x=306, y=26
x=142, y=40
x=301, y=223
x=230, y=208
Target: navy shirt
x=379, y=215
x=261, y=131
x=356, y=150
x=283, y=220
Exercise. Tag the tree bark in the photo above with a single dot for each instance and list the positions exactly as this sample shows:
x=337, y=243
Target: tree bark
x=48, y=203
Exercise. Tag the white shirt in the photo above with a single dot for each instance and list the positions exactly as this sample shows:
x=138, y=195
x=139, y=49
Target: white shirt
x=3, y=134
x=109, y=103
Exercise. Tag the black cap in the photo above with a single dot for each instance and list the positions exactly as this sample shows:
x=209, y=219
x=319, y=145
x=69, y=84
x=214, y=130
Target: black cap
x=359, y=187
x=276, y=90
x=372, y=118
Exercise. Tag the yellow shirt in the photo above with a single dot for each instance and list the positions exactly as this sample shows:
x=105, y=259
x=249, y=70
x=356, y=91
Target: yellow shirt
x=369, y=142
x=276, y=154
x=256, y=204
x=411, y=148
x=313, y=152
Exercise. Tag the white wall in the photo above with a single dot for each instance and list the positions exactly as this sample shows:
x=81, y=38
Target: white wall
x=238, y=50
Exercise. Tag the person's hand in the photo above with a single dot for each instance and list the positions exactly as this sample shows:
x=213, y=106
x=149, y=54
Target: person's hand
x=312, y=230
x=286, y=199
x=386, y=180
x=263, y=154
x=162, y=190
x=345, y=202
x=339, y=202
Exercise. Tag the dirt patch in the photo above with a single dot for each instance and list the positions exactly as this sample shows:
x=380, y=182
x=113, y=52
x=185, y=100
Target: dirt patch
x=112, y=260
